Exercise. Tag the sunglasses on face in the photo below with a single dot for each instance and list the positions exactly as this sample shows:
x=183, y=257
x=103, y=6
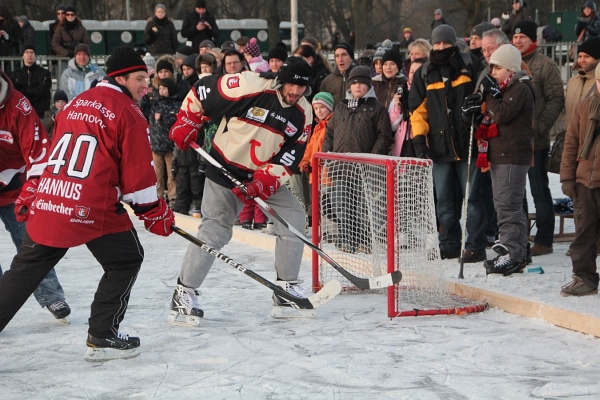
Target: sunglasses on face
x=60, y=12
x=70, y=14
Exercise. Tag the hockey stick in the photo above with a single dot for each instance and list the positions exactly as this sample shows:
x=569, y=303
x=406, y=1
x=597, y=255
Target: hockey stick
x=327, y=292
x=378, y=282
x=465, y=204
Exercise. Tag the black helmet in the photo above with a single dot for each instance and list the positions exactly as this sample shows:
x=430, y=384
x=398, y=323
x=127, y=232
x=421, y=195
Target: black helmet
x=296, y=71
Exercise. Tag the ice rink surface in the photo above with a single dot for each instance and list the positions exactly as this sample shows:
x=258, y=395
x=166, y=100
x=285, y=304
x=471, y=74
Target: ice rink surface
x=351, y=350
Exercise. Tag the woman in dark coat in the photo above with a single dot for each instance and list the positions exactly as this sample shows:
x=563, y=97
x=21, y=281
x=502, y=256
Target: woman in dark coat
x=69, y=34
x=160, y=34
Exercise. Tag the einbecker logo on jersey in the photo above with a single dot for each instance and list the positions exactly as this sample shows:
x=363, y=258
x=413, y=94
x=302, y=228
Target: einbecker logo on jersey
x=24, y=106
x=233, y=82
x=6, y=136
x=40, y=204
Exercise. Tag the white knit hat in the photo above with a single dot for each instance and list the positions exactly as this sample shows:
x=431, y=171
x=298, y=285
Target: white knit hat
x=507, y=56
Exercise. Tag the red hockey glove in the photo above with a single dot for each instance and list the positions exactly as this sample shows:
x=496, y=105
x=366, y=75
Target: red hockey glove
x=185, y=129
x=26, y=197
x=263, y=185
x=159, y=219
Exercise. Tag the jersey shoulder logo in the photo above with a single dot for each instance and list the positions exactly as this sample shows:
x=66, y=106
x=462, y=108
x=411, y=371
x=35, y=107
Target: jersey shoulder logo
x=290, y=129
x=6, y=136
x=25, y=106
x=233, y=82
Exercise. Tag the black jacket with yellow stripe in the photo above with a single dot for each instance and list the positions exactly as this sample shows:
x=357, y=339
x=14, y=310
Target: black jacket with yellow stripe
x=435, y=102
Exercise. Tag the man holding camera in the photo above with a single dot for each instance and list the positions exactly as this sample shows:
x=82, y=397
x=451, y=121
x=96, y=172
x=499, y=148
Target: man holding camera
x=199, y=25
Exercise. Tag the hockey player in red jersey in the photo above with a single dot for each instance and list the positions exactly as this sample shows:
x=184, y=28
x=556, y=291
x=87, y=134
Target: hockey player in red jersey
x=100, y=157
x=263, y=129
x=24, y=147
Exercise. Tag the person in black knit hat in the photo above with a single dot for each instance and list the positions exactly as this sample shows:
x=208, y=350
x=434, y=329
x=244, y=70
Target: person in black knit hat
x=115, y=165
x=276, y=58
x=344, y=62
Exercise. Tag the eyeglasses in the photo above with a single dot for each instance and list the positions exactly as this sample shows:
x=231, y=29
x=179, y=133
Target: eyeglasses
x=70, y=14
x=60, y=12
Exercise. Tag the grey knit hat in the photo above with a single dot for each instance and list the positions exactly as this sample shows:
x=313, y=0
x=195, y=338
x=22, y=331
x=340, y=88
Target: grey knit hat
x=443, y=33
x=507, y=56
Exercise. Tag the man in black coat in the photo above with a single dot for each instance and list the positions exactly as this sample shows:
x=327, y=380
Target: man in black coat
x=200, y=25
x=34, y=81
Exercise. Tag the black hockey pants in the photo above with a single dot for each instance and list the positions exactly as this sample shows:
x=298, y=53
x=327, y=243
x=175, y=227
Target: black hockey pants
x=120, y=255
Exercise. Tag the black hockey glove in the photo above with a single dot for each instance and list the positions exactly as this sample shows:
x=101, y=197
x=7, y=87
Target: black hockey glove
x=489, y=85
x=472, y=104
x=420, y=144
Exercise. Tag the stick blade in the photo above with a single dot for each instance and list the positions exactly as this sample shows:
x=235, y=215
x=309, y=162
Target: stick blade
x=327, y=293
x=383, y=281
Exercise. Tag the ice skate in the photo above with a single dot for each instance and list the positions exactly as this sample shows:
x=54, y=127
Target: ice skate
x=283, y=308
x=103, y=349
x=60, y=310
x=185, y=310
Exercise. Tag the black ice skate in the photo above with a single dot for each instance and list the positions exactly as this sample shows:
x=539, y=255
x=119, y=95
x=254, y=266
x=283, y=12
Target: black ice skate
x=283, y=308
x=120, y=346
x=185, y=309
x=505, y=265
x=61, y=310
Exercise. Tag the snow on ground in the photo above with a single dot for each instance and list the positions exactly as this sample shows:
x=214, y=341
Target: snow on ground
x=351, y=350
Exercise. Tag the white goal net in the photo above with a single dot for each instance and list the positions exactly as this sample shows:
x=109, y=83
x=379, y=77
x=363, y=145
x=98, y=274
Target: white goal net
x=376, y=214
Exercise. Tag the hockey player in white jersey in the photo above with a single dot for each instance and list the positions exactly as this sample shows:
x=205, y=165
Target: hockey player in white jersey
x=263, y=128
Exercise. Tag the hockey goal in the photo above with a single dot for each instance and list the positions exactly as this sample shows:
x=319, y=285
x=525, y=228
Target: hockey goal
x=374, y=215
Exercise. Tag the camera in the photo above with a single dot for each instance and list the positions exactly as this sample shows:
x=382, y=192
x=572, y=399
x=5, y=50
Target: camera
x=400, y=90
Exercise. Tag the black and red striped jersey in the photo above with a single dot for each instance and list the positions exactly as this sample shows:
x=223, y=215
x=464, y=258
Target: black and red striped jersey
x=256, y=129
